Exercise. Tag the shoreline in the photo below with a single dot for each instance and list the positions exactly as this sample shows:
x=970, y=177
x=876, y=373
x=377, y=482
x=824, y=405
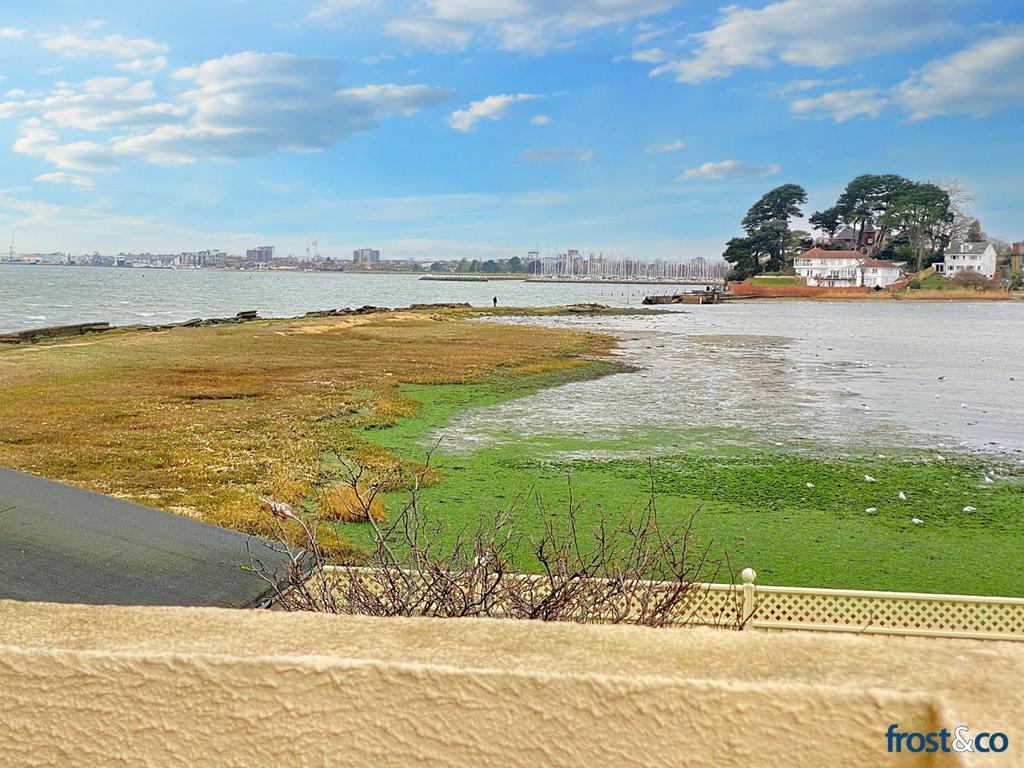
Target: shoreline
x=54, y=333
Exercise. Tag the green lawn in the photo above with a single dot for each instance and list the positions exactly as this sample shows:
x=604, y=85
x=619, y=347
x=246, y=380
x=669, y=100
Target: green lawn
x=753, y=503
x=936, y=281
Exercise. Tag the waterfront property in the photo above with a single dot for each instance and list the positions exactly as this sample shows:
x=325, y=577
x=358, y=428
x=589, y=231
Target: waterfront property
x=963, y=257
x=845, y=269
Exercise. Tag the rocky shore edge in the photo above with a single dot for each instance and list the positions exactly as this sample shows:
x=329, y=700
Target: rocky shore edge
x=34, y=335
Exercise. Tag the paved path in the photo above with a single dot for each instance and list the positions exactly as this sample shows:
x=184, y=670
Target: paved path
x=64, y=545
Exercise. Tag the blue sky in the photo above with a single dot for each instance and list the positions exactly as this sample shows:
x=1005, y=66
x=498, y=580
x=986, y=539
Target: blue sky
x=448, y=128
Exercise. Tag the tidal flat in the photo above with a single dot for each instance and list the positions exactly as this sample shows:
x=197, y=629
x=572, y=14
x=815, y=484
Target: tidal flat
x=764, y=424
x=759, y=424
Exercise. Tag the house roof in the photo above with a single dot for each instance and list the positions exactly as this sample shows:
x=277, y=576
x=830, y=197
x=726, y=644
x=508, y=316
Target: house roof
x=975, y=247
x=821, y=253
x=64, y=545
x=881, y=263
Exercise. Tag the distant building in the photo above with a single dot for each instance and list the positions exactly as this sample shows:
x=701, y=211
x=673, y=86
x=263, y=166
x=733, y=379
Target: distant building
x=261, y=254
x=853, y=239
x=979, y=256
x=209, y=259
x=1016, y=258
x=365, y=256
x=845, y=269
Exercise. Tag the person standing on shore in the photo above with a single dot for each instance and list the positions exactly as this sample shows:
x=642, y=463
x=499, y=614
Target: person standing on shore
x=495, y=301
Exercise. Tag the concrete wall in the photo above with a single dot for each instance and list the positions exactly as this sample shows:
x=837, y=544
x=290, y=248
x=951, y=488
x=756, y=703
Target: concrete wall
x=84, y=686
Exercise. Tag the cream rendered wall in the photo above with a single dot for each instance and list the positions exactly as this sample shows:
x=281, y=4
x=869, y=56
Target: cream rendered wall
x=89, y=686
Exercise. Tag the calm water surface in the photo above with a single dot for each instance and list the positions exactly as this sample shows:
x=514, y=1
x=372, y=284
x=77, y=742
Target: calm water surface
x=33, y=296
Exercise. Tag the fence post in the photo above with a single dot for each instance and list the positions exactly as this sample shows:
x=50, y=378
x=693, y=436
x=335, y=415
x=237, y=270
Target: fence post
x=749, y=576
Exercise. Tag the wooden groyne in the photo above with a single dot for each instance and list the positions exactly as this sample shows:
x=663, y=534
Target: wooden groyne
x=53, y=332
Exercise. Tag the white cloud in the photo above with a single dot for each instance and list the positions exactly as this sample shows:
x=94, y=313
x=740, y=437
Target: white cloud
x=37, y=140
x=646, y=32
x=557, y=153
x=669, y=146
x=434, y=34
x=143, y=66
x=115, y=46
x=650, y=56
x=253, y=103
x=11, y=33
x=532, y=26
x=328, y=9
x=72, y=179
x=797, y=86
x=235, y=106
x=540, y=120
x=98, y=104
x=809, y=33
x=490, y=108
x=841, y=105
x=728, y=169
x=980, y=79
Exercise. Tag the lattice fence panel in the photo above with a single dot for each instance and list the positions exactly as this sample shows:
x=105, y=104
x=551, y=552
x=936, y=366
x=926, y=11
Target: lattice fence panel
x=716, y=606
x=874, y=613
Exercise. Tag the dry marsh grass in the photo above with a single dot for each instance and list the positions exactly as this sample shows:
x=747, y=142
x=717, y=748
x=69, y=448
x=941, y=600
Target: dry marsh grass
x=204, y=421
x=341, y=503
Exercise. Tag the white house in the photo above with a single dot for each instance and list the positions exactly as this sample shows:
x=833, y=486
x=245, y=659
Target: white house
x=977, y=257
x=845, y=269
x=879, y=273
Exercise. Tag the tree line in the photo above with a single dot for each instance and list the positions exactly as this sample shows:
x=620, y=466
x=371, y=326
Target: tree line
x=891, y=217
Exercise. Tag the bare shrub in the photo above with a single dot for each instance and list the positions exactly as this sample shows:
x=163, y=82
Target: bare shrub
x=636, y=571
x=970, y=279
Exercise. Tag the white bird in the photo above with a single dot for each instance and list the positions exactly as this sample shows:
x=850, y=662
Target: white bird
x=903, y=496
x=989, y=480
x=871, y=509
x=940, y=457
x=963, y=405
x=810, y=485
x=970, y=509
x=916, y=520
x=870, y=479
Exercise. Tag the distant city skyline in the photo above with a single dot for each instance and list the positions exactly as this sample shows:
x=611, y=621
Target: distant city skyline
x=442, y=129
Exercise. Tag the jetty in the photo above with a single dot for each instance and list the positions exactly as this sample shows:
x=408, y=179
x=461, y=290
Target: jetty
x=456, y=278
x=702, y=297
x=559, y=279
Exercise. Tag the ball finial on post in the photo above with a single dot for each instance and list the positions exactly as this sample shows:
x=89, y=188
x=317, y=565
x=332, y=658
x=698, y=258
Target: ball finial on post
x=749, y=574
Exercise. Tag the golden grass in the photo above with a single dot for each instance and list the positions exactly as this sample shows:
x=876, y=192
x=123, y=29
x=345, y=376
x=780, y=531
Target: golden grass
x=341, y=503
x=204, y=421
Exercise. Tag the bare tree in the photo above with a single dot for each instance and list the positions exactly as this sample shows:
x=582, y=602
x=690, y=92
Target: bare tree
x=637, y=570
x=960, y=203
